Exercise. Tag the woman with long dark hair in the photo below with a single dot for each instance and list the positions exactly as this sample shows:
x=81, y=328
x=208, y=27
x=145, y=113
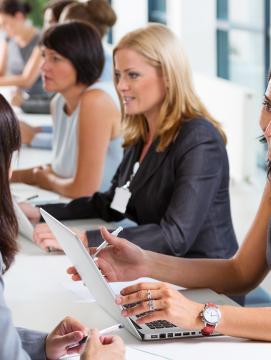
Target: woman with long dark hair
x=20, y=343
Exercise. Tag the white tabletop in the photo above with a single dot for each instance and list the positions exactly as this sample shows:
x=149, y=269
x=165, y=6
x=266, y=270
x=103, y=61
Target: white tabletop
x=38, y=294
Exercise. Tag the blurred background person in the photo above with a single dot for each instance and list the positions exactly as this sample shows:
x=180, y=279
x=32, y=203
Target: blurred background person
x=87, y=143
x=98, y=13
x=20, y=56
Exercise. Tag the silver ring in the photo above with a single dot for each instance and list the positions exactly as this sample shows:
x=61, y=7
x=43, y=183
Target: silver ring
x=149, y=297
x=151, y=305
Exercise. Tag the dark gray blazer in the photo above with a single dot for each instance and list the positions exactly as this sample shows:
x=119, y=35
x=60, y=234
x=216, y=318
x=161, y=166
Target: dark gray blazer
x=180, y=197
x=17, y=344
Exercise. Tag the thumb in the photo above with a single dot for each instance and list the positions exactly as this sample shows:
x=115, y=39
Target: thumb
x=70, y=339
x=111, y=239
x=93, y=340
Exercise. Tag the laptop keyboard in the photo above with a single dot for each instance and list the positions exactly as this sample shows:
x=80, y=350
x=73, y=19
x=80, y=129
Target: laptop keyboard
x=160, y=324
x=157, y=324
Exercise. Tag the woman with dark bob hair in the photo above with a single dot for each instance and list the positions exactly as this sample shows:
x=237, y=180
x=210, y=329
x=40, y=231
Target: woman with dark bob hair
x=21, y=343
x=86, y=119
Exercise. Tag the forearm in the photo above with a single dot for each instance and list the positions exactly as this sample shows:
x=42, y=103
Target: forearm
x=69, y=187
x=24, y=175
x=195, y=273
x=240, y=274
x=33, y=343
x=250, y=323
x=86, y=207
x=16, y=80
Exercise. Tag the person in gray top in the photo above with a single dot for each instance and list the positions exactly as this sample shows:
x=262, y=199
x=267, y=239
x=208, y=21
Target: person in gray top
x=23, y=344
x=20, y=54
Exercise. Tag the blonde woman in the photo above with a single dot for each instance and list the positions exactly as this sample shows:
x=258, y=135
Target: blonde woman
x=174, y=176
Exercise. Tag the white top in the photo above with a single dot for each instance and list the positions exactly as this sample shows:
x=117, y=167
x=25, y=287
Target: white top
x=65, y=139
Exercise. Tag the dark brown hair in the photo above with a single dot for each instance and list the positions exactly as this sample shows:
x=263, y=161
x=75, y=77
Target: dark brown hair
x=80, y=43
x=57, y=6
x=96, y=12
x=11, y=7
x=10, y=141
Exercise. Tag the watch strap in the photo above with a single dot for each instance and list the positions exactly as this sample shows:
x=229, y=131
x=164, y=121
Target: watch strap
x=208, y=329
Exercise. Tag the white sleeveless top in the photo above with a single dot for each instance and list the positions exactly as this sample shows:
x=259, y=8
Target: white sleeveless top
x=65, y=139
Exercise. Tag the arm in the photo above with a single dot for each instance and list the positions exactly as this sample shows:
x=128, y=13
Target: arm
x=3, y=56
x=171, y=305
x=95, y=132
x=124, y=261
x=29, y=75
x=16, y=344
x=237, y=276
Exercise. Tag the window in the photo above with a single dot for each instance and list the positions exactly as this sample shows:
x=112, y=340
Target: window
x=157, y=11
x=243, y=46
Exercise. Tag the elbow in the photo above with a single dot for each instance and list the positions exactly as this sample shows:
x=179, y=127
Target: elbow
x=243, y=282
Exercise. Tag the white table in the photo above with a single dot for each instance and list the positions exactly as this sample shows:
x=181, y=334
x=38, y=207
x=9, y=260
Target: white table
x=38, y=300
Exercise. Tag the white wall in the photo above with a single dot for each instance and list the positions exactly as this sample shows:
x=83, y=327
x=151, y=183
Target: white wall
x=195, y=22
x=131, y=15
x=235, y=107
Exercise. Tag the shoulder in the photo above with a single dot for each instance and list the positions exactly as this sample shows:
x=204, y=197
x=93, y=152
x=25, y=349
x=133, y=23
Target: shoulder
x=100, y=93
x=199, y=130
x=199, y=135
x=56, y=100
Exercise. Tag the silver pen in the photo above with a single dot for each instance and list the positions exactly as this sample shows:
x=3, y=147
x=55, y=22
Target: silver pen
x=101, y=332
x=105, y=243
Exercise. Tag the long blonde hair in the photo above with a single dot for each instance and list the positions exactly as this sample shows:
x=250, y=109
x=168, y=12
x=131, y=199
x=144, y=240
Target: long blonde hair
x=162, y=50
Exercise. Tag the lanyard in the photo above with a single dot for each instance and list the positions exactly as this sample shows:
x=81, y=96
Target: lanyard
x=135, y=169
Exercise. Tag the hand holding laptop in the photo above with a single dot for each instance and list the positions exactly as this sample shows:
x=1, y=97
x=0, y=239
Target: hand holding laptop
x=31, y=212
x=44, y=238
x=122, y=261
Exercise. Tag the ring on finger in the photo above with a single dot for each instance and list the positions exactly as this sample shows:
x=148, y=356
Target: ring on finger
x=151, y=305
x=149, y=296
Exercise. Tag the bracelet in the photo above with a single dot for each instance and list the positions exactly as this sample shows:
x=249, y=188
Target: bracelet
x=266, y=104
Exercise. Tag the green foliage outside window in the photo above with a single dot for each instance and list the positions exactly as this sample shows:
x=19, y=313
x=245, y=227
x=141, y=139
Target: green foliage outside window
x=37, y=11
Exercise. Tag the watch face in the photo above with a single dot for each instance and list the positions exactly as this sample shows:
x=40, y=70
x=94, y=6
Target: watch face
x=211, y=315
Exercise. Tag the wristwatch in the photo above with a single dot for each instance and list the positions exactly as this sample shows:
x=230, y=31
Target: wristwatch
x=210, y=316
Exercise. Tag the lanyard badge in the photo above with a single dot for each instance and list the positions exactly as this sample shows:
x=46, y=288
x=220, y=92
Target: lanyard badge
x=122, y=194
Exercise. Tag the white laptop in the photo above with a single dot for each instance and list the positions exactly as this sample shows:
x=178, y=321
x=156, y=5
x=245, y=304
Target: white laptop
x=105, y=297
x=25, y=227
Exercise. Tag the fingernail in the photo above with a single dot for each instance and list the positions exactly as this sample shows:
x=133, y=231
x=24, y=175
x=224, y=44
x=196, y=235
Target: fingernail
x=124, y=313
x=118, y=300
